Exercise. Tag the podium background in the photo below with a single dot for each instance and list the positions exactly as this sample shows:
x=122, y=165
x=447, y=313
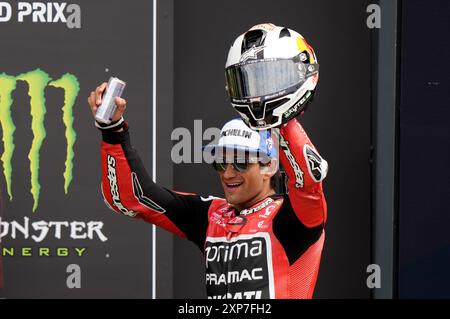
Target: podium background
x=380, y=118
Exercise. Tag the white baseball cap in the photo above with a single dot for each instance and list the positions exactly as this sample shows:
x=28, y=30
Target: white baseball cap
x=245, y=142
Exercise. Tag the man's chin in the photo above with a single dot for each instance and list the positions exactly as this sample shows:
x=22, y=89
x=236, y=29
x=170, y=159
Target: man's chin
x=232, y=200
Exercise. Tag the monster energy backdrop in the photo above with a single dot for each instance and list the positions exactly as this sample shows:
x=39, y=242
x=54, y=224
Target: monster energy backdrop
x=58, y=239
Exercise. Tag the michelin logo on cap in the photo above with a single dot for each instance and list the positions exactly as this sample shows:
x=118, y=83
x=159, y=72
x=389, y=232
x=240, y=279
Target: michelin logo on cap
x=237, y=132
x=237, y=136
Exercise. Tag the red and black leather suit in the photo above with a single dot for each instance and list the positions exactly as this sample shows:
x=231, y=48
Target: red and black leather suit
x=269, y=250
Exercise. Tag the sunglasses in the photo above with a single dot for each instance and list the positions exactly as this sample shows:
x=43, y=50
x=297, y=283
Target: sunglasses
x=238, y=166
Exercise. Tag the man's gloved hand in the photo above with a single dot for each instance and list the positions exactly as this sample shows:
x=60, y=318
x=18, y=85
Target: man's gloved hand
x=95, y=100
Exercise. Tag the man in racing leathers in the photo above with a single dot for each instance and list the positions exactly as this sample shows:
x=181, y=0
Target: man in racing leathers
x=256, y=243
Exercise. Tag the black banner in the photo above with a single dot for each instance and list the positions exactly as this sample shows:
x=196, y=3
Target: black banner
x=58, y=237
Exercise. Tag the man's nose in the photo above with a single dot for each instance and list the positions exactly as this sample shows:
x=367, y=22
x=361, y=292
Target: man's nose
x=229, y=171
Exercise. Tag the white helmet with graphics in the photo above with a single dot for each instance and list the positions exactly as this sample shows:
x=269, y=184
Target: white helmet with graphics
x=271, y=75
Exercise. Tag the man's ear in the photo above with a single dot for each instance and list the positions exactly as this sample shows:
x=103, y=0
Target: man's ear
x=269, y=169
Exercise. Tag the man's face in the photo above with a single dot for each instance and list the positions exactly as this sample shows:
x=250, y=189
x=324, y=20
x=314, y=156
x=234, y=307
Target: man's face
x=242, y=189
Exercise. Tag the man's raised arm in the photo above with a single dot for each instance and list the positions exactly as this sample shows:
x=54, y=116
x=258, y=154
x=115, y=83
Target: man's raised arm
x=305, y=169
x=128, y=189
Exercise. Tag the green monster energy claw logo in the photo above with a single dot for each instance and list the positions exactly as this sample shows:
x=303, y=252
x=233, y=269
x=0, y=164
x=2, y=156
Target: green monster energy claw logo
x=37, y=81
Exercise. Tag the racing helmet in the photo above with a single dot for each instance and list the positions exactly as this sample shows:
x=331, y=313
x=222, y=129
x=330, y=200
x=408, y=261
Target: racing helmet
x=271, y=75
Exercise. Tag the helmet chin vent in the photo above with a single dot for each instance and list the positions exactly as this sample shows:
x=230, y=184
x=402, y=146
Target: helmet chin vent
x=273, y=105
x=253, y=38
x=257, y=109
x=284, y=33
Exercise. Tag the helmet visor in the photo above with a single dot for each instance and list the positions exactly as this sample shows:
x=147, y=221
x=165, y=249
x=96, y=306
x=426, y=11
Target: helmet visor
x=257, y=78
